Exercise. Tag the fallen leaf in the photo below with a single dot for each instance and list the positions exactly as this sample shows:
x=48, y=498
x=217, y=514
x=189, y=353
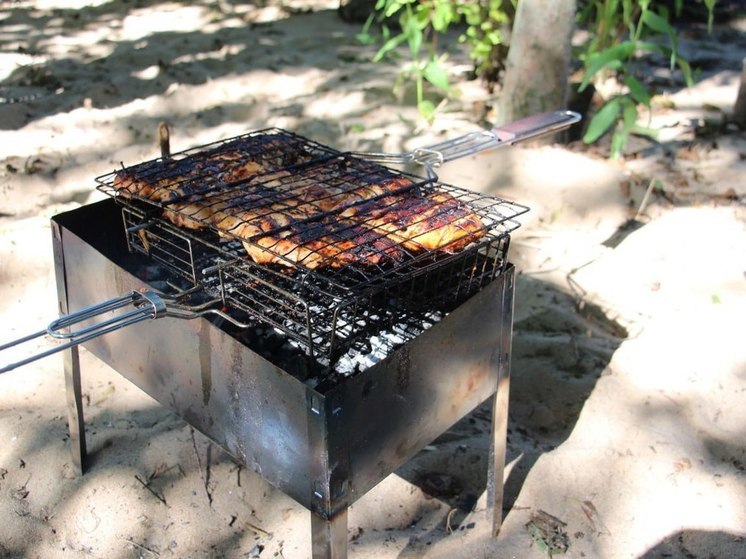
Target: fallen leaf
x=548, y=533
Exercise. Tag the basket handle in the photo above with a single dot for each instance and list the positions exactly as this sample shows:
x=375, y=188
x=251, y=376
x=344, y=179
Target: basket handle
x=148, y=305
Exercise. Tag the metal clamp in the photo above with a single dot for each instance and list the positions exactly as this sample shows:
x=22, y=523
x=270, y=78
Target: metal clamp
x=147, y=305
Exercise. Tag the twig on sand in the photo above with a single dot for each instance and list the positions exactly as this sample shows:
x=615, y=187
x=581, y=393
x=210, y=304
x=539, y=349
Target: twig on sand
x=646, y=197
x=257, y=530
x=161, y=498
x=237, y=469
x=204, y=476
x=142, y=547
x=449, y=528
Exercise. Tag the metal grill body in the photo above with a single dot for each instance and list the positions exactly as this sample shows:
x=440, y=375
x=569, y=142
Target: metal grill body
x=323, y=444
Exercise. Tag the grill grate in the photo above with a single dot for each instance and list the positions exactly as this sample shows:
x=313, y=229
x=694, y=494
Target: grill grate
x=328, y=300
x=328, y=312
x=205, y=169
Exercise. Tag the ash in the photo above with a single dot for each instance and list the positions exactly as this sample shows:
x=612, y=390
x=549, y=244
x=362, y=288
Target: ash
x=384, y=343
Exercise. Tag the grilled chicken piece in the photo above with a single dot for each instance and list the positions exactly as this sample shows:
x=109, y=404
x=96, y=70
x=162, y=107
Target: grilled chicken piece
x=202, y=211
x=329, y=242
x=315, y=216
x=285, y=223
x=337, y=243
x=171, y=180
x=179, y=179
x=434, y=221
x=380, y=230
x=197, y=215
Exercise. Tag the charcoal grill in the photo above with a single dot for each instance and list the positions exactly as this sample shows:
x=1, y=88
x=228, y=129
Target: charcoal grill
x=324, y=381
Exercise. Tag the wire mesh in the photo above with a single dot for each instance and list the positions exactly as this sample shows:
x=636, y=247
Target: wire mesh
x=325, y=247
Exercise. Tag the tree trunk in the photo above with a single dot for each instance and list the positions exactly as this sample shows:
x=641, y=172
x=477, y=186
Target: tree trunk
x=538, y=62
x=355, y=11
x=739, y=109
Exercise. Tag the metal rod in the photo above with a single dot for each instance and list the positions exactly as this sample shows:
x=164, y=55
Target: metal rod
x=87, y=313
x=75, y=414
x=499, y=432
x=105, y=326
x=164, y=140
x=329, y=536
x=67, y=345
x=23, y=340
x=149, y=306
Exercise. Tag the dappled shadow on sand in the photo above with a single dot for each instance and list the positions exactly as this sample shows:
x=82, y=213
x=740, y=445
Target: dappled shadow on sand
x=109, y=55
x=560, y=349
x=699, y=544
x=150, y=482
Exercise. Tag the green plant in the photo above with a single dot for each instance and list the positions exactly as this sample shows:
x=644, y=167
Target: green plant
x=620, y=32
x=420, y=23
x=486, y=22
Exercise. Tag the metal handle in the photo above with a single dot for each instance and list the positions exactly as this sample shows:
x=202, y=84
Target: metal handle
x=147, y=305
x=433, y=156
x=535, y=126
x=505, y=135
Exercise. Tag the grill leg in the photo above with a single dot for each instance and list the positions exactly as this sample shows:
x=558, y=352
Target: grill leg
x=500, y=410
x=76, y=423
x=329, y=537
x=70, y=360
x=497, y=455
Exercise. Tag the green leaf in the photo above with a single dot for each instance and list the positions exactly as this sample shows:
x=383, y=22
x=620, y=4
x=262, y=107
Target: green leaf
x=606, y=58
x=687, y=70
x=644, y=131
x=610, y=9
x=391, y=7
x=618, y=141
x=427, y=110
x=629, y=115
x=653, y=47
x=365, y=39
x=412, y=30
x=602, y=120
x=388, y=46
x=627, y=10
x=710, y=13
x=364, y=36
x=444, y=13
x=637, y=90
x=436, y=75
x=658, y=23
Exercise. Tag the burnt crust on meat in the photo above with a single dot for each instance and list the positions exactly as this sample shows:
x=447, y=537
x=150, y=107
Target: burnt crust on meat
x=295, y=217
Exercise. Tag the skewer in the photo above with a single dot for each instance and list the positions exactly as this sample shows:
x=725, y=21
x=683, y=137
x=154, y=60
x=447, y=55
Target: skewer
x=164, y=140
